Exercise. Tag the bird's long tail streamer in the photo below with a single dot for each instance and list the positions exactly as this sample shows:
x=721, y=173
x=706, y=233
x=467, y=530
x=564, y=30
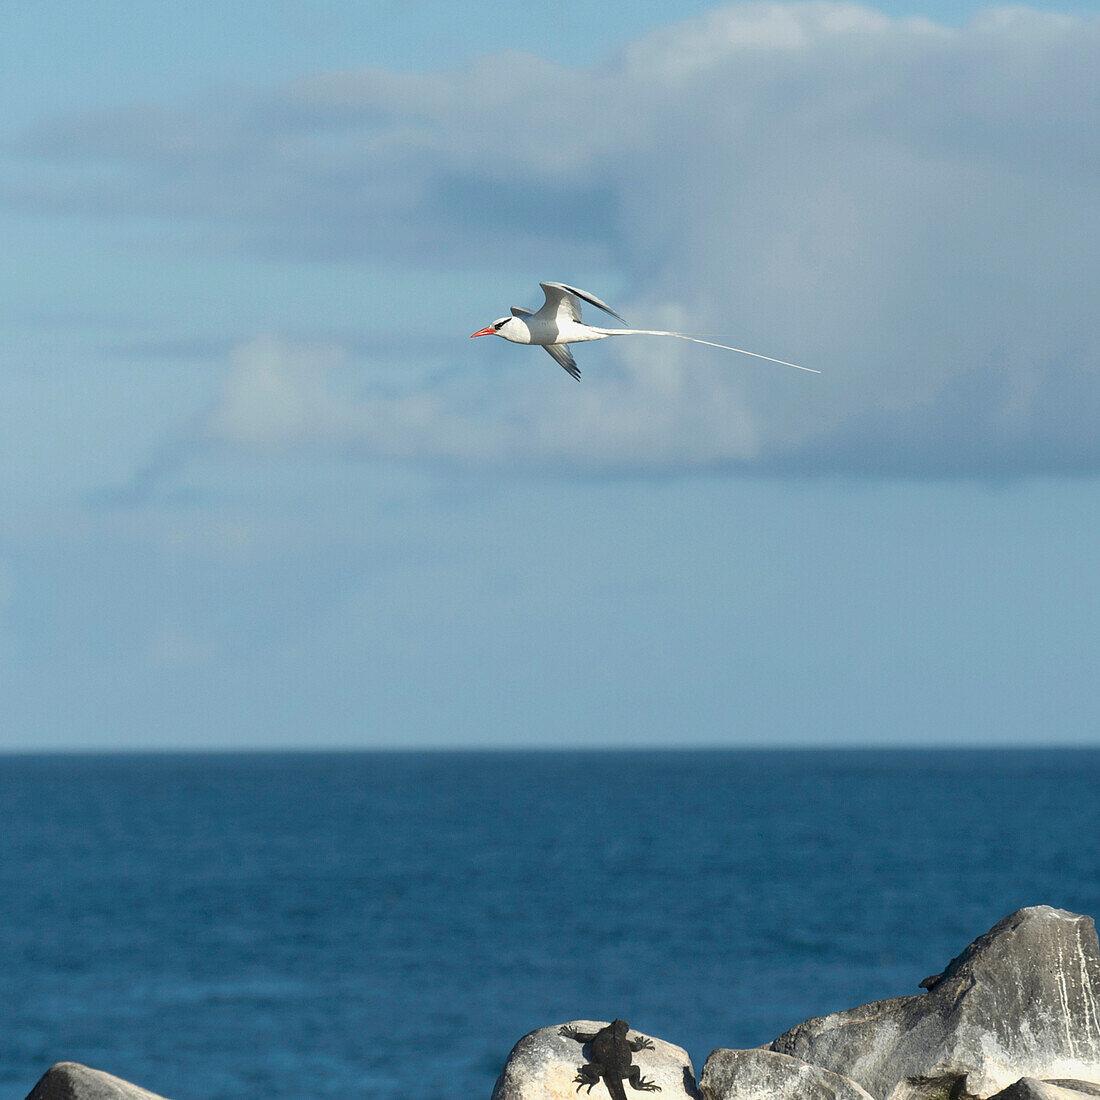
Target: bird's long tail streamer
x=700, y=340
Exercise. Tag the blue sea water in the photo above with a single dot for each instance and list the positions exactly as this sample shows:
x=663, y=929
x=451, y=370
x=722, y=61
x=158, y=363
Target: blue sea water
x=216, y=927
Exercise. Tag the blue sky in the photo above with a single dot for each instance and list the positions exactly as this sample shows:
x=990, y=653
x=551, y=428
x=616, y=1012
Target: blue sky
x=261, y=490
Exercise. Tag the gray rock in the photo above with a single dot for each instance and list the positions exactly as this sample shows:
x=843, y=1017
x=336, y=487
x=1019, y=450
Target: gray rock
x=1020, y=1001
x=750, y=1074
x=542, y=1066
x=1028, y=1088
x=72, y=1081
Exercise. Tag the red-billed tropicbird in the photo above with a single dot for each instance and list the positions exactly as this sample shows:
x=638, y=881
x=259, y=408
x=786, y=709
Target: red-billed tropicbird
x=559, y=323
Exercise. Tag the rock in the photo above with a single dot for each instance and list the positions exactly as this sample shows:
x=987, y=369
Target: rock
x=1028, y=1088
x=1020, y=1001
x=542, y=1066
x=72, y=1081
x=750, y=1074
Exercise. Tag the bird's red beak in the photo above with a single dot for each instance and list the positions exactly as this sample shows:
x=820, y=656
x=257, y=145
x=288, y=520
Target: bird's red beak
x=483, y=332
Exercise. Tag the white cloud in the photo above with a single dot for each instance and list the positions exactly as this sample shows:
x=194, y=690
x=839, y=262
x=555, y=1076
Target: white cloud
x=275, y=394
x=911, y=208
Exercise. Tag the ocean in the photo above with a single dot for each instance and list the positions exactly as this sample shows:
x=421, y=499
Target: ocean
x=387, y=925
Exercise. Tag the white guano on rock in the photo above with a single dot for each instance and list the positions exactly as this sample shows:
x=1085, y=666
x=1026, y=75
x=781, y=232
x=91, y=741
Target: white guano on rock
x=1020, y=1001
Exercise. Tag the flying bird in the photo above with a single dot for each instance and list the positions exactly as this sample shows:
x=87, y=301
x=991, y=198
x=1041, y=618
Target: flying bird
x=558, y=323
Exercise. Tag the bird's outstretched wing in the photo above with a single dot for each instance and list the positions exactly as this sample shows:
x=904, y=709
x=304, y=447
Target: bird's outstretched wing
x=561, y=302
x=564, y=356
x=519, y=311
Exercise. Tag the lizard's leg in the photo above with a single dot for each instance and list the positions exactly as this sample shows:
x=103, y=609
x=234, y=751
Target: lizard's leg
x=570, y=1032
x=588, y=1074
x=637, y=1081
x=640, y=1043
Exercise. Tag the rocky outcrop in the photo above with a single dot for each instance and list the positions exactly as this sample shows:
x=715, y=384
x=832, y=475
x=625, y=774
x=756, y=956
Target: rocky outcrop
x=1028, y=1088
x=543, y=1065
x=753, y=1074
x=1020, y=1001
x=72, y=1081
x=1014, y=1017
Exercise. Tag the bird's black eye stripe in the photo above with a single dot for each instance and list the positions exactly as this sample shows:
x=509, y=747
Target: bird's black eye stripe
x=500, y=324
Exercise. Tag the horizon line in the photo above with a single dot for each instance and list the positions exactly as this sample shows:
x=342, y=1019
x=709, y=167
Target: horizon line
x=497, y=749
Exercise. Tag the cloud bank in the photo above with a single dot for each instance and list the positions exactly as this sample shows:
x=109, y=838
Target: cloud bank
x=911, y=208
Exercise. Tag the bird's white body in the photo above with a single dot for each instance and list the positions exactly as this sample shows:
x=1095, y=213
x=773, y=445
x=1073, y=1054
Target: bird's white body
x=536, y=329
x=559, y=323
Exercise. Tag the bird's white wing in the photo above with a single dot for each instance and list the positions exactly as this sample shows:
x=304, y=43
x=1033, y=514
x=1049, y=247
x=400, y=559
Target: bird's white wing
x=519, y=311
x=562, y=302
x=561, y=354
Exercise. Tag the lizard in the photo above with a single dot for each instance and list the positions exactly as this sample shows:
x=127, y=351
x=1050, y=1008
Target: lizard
x=610, y=1052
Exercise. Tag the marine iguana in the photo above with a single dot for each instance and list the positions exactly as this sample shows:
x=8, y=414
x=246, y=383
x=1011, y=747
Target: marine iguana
x=610, y=1052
